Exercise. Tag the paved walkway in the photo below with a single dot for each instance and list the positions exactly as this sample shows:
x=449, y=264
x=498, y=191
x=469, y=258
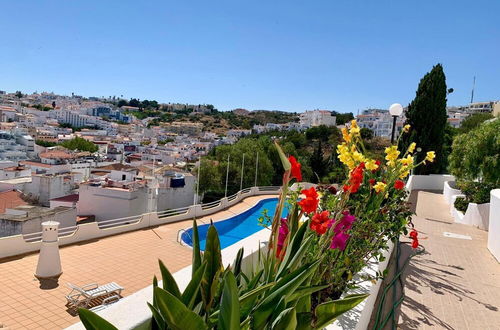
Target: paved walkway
x=455, y=284
x=130, y=259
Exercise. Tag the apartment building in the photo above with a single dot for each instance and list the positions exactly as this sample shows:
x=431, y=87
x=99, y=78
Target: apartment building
x=317, y=118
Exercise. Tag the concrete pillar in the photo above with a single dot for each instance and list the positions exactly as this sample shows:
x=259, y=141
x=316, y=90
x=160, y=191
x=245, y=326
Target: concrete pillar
x=49, y=261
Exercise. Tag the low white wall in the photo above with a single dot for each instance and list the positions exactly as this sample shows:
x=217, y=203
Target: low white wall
x=477, y=215
x=494, y=225
x=428, y=182
x=449, y=191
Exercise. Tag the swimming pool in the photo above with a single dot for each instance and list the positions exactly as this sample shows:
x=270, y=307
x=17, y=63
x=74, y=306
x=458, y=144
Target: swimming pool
x=237, y=227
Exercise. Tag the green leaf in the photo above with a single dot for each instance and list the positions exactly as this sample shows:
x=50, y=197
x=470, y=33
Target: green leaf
x=169, y=283
x=301, y=292
x=327, y=312
x=284, y=160
x=255, y=280
x=92, y=321
x=304, y=321
x=286, y=320
x=229, y=318
x=237, y=262
x=284, y=288
x=157, y=318
x=191, y=292
x=196, y=248
x=247, y=300
x=176, y=314
x=213, y=259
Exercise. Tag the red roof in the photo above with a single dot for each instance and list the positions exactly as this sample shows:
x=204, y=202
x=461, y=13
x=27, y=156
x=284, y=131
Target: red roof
x=10, y=199
x=68, y=198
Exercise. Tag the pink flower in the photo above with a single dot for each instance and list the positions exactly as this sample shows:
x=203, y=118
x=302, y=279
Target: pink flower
x=282, y=234
x=340, y=237
x=339, y=241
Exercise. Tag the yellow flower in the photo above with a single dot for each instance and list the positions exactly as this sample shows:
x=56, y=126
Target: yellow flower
x=430, y=156
x=404, y=174
x=406, y=128
x=407, y=161
x=345, y=135
x=412, y=147
x=379, y=186
x=358, y=157
x=354, y=127
x=392, y=153
x=345, y=156
x=354, y=130
x=371, y=165
x=391, y=163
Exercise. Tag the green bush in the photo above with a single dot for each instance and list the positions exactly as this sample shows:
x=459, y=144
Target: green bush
x=476, y=192
x=475, y=155
x=461, y=204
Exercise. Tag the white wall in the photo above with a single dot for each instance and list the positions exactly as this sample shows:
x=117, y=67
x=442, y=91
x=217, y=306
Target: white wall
x=494, y=224
x=111, y=203
x=428, y=182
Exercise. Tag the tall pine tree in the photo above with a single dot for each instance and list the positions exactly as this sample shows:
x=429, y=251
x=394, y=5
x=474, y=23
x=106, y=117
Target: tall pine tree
x=427, y=116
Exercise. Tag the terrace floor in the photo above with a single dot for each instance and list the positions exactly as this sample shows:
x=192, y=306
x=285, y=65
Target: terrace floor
x=455, y=283
x=129, y=259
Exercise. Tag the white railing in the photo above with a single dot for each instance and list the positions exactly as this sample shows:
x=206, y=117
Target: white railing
x=119, y=222
x=172, y=212
x=210, y=205
x=20, y=244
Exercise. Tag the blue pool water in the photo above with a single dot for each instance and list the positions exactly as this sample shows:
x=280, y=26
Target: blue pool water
x=237, y=227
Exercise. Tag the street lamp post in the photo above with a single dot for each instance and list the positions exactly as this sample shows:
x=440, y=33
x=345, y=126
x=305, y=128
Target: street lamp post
x=395, y=110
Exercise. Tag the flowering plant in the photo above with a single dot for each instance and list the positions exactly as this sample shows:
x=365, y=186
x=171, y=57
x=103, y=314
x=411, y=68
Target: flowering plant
x=349, y=227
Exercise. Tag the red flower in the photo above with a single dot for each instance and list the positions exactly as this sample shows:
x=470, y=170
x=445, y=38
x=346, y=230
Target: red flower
x=378, y=164
x=355, y=180
x=399, y=185
x=320, y=222
x=295, y=168
x=372, y=181
x=414, y=237
x=310, y=203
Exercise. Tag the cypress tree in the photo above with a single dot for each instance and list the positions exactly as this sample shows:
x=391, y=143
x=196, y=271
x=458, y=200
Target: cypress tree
x=427, y=116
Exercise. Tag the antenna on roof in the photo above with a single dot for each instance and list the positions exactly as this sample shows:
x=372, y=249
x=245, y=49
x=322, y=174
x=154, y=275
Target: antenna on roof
x=473, y=86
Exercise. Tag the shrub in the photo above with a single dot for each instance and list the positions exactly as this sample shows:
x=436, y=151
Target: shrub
x=461, y=204
x=476, y=192
x=476, y=154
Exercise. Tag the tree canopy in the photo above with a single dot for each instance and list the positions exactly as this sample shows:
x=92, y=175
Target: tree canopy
x=427, y=116
x=81, y=144
x=474, y=121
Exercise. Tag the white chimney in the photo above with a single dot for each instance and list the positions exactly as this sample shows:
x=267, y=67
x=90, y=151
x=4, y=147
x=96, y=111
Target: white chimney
x=49, y=261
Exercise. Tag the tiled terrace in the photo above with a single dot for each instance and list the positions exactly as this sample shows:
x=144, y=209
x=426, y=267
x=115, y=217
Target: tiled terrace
x=455, y=283
x=129, y=259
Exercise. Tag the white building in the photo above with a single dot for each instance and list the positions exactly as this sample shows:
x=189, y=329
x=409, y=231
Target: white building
x=317, y=118
x=380, y=122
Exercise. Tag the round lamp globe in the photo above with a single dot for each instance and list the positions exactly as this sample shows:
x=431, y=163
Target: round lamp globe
x=396, y=109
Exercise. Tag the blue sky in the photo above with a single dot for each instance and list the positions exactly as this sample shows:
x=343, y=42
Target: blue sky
x=286, y=55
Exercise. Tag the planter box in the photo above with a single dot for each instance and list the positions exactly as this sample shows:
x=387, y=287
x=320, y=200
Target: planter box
x=478, y=215
x=457, y=215
x=452, y=205
x=449, y=191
